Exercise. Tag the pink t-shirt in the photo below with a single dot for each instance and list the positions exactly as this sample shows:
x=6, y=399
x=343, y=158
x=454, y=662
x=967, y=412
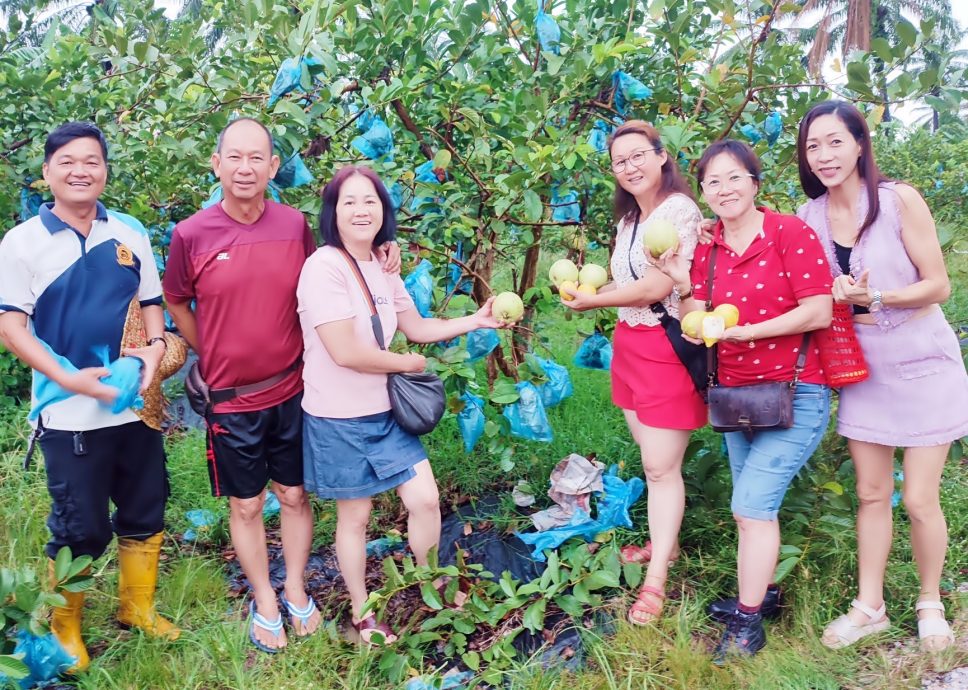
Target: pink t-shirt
x=328, y=291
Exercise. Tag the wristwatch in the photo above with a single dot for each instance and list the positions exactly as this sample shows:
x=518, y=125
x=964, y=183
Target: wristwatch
x=876, y=303
x=683, y=295
x=156, y=339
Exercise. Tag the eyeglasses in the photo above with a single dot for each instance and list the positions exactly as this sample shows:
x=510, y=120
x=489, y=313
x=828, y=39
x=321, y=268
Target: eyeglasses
x=713, y=185
x=635, y=159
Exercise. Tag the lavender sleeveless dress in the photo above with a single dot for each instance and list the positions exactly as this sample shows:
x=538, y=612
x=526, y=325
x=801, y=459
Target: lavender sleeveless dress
x=917, y=393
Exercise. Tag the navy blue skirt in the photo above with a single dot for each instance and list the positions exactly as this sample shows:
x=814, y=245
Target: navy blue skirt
x=357, y=457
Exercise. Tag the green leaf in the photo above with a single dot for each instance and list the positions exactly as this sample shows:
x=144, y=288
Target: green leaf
x=632, y=572
x=11, y=665
x=785, y=567
x=431, y=596
x=834, y=487
x=533, y=618
x=570, y=605
x=906, y=33
x=601, y=579
x=882, y=49
x=62, y=563
x=472, y=660
x=532, y=206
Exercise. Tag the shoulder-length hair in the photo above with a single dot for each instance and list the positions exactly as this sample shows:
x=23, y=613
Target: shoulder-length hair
x=672, y=180
x=327, y=214
x=870, y=174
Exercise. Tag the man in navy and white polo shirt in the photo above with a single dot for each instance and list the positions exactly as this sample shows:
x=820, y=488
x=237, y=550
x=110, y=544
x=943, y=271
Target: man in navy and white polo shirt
x=67, y=278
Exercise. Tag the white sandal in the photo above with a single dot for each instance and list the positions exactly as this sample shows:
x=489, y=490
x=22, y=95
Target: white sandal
x=933, y=627
x=844, y=632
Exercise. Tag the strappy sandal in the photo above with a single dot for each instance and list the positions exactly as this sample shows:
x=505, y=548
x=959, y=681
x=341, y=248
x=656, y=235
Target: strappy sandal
x=844, y=632
x=933, y=627
x=274, y=627
x=371, y=626
x=645, y=603
x=301, y=614
x=632, y=553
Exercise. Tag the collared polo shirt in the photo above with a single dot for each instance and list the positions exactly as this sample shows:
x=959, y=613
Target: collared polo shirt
x=76, y=291
x=784, y=264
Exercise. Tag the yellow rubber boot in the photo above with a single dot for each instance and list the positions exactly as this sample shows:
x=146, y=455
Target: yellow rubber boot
x=137, y=577
x=65, y=623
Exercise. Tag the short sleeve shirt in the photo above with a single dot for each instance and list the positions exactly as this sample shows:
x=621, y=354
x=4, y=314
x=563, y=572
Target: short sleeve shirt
x=683, y=213
x=329, y=291
x=785, y=263
x=243, y=280
x=76, y=291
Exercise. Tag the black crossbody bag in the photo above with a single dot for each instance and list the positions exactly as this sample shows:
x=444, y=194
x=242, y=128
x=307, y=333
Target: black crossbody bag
x=691, y=355
x=417, y=400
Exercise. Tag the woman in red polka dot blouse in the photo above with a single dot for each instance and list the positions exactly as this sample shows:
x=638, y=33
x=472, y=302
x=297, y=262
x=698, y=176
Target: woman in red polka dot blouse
x=773, y=269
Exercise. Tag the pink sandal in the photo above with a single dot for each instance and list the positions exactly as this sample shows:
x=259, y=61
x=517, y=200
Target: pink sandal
x=646, y=603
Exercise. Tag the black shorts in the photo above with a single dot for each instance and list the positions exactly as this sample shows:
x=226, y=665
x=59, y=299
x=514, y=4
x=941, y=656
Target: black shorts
x=247, y=449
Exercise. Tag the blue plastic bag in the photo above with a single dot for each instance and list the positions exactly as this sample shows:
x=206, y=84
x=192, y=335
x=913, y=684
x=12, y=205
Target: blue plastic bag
x=292, y=172
x=426, y=204
x=199, y=518
x=30, y=202
x=420, y=285
x=595, y=352
x=628, y=89
x=598, y=139
x=481, y=342
x=271, y=506
x=773, y=127
x=456, y=281
x=44, y=656
x=471, y=420
x=558, y=386
x=566, y=207
x=396, y=196
x=376, y=140
x=451, y=681
x=290, y=77
x=752, y=133
x=549, y=33
x=384, y=546
x=612, y=507
x=527, y=416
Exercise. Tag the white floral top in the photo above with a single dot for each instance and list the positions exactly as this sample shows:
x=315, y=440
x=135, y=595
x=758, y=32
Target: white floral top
x=682, y=212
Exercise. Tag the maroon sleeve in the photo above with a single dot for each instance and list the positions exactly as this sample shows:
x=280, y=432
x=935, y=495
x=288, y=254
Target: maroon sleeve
x=179, y=276
x=804, y=260
x=309, y=241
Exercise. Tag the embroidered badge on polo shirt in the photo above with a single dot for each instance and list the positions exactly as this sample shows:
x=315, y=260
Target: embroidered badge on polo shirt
x=125, y=256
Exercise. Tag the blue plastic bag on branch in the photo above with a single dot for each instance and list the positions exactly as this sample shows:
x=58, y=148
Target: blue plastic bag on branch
x=752, y=133
x=471, y=420
x=290, y=77
x=292, y=171
x=30, y=202
x=376, y=140
x=527, y=416
x=598, y=139
x=481, y=342
x=420, y=285
x=426, y=204
x=549, y=33
x=773, y=127
x=595, y=352
x=396, y=195
x=628, y=89
x=612, y=510
x=566, y=206
x=456, y=283
x=558, y=386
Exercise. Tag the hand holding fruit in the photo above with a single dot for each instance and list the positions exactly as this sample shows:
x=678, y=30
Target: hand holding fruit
x=505, y=309
x=574, y=286
x=711, y=327
x=485, y=315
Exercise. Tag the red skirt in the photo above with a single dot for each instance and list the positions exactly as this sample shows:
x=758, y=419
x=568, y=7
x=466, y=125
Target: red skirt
x=648, y=377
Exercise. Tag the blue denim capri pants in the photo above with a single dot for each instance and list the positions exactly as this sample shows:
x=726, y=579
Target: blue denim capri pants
x=764, y=467
x=357, y=457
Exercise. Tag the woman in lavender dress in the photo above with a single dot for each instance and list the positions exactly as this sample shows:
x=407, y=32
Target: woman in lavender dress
x=883, y=249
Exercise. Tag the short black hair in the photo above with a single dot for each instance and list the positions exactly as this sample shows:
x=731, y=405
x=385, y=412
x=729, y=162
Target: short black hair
x=327, y=215
x=221, y=135
x=739, y=150
x=68, y=132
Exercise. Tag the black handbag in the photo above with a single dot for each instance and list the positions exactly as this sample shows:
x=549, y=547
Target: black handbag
x=754, y=407
x=417, y=400
x=692, y=356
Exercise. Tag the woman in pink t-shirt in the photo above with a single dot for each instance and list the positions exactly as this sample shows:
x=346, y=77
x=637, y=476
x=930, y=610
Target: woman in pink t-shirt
x=353, y=449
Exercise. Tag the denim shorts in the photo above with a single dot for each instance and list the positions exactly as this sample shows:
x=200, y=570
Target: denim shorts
x=764, y=467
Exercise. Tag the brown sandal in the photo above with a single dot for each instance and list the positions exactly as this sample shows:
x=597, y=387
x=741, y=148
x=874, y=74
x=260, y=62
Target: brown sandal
x=645, y=603
x=372, y=626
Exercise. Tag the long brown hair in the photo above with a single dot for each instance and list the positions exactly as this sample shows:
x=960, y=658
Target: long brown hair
x=672, y=180
x=870, y=174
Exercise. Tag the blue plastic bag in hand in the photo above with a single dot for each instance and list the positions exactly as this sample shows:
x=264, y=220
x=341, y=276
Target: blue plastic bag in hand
x=595, y=352
x=420, y=285
x=612, y=507
x=558, y=386
x=527, y=415
x=44, y=656
x=773, y=127
x=549, y=33
x=628, y=89
x=752, y=133
x=471, y=420
x=566, y=207
x=376, y=140
x=481, y=342
x=292, y=172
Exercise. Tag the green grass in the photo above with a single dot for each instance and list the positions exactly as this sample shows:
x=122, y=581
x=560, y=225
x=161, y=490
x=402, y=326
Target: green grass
x=214, y=653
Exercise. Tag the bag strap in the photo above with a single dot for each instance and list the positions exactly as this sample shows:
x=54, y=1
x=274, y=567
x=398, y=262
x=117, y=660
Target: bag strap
x=375, y=322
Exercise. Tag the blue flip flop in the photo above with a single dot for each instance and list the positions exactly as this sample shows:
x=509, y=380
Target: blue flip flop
x=275, y=627
x=303, y=614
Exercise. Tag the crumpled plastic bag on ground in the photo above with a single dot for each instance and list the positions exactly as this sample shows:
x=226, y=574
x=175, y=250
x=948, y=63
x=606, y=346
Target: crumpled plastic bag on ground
x=451, y=681
x=471, y=420
x=612, y=511
x=44, y=656
x=572, y=482
x=595, y=352
x=420, y=285
x=481, y=342
x=199, y=519
x=558, y=386
x=527, y=416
